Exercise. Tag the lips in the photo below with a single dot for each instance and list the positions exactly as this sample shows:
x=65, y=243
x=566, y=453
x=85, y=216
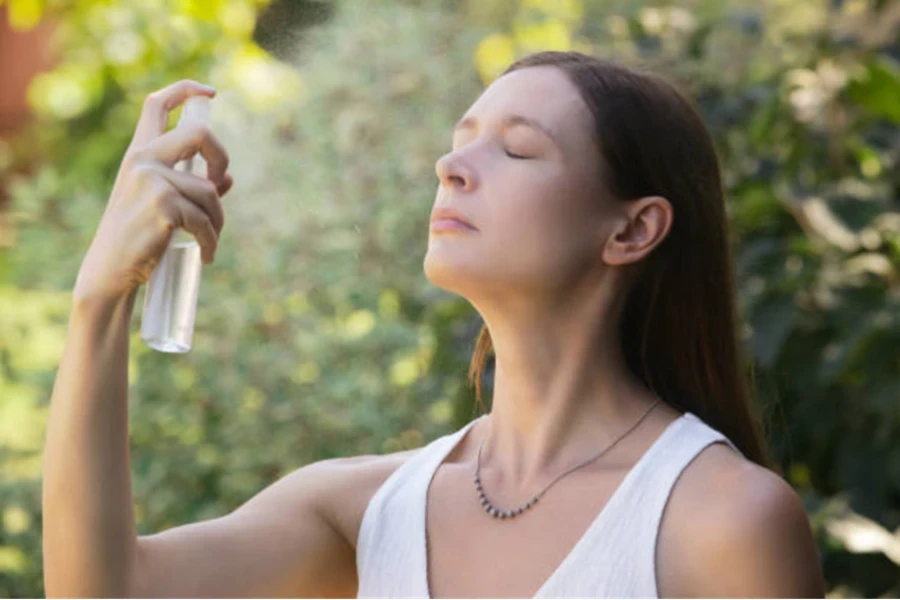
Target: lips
x=445, y=216
x=449, y=225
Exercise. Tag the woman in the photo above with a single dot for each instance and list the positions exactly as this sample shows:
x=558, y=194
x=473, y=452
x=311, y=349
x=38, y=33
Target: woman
x=580, y=211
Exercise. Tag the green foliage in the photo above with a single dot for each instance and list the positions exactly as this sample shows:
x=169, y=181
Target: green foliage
x=317, y=334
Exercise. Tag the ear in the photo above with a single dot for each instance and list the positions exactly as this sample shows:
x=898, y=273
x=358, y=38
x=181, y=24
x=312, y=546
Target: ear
x=644, y=224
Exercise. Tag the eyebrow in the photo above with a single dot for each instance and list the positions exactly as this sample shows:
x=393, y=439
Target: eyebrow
x=507, y=122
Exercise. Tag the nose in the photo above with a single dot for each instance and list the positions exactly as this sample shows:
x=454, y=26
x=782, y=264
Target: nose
x=453, y=174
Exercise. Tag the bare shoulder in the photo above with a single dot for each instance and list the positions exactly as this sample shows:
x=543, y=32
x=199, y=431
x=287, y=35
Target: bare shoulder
x=734, y=529
x=345, y=486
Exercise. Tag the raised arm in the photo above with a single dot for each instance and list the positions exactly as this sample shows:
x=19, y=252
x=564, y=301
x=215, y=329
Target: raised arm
x=88, y=527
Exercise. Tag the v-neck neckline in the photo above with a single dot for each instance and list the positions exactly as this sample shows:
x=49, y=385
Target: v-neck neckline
x=595, y=523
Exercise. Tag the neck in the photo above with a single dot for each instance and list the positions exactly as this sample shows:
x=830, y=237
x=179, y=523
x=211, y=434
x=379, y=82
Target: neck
x=562, y=393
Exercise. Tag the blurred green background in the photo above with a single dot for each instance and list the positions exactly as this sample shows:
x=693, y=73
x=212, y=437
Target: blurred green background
x=317, y=333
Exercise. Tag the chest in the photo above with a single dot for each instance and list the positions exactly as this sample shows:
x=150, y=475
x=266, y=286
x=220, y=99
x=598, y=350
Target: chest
x=471, y=554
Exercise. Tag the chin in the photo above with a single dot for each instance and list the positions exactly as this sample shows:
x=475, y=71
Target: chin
x=450, y=269
x=440, y=271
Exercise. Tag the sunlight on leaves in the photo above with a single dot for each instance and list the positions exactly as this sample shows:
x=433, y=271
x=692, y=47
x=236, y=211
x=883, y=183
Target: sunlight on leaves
x=16, y=520
x=237, y=18
x=24, y=15
x=441, y=412
x=405, y=370
x=389, y=304
x=22, y=421
x=12, y=560
x=358, y=324
x=307, y=372
x=570, y=11
x=552, y=34
x=860, y=534
x=66, y=92
x=265, y=85
x=493, y=55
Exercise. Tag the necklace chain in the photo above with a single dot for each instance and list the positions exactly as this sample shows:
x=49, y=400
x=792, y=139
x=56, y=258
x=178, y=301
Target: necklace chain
x=509, y=514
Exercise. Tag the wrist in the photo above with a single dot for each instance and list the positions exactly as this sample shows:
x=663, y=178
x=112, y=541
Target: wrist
x=102, y=308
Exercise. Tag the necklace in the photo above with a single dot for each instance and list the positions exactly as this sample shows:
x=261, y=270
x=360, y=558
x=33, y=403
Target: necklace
x=509, y=514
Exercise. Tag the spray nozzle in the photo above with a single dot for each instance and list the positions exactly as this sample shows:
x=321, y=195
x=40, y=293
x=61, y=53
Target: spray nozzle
x=195, y=109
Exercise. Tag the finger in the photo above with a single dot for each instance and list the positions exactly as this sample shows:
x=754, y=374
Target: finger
x=183, y=142
x=225, y=185
x=189, y=216
x=200, y=191
x=155, y=113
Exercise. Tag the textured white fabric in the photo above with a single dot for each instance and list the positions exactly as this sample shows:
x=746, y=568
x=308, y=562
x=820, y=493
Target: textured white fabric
x=614, y=558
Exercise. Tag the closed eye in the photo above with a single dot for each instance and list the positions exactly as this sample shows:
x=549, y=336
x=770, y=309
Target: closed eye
x=511, y=155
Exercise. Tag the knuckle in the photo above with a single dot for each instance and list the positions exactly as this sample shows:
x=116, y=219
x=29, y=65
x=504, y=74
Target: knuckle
x=167, y=218
x=135, y=155
x=154, y=100
x=161, y=194
x=185, y=83
x=142, y=173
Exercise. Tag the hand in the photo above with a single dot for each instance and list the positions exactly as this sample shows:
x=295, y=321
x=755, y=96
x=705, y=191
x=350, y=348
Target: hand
x=150, y=199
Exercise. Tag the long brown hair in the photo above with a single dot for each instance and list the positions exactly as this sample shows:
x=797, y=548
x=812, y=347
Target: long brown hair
x=679, y=326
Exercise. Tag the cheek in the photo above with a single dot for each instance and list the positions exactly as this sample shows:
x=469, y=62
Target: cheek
x=545, y=234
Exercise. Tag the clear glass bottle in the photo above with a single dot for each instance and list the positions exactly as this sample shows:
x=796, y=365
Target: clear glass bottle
x=170, y=302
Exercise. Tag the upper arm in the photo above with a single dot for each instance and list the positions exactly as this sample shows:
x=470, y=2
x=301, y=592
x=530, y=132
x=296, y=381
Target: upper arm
x=282, y=542
x=740, y=531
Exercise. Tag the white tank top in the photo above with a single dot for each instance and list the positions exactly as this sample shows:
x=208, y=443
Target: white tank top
x=614, y=558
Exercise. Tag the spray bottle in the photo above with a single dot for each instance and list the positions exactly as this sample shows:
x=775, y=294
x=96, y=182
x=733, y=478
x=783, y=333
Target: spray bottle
x=170, y=302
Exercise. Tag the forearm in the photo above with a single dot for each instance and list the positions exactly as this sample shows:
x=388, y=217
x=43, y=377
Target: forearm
x=89, y=534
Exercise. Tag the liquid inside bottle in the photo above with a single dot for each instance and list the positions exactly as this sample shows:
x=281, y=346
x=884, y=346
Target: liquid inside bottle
x=170, y=302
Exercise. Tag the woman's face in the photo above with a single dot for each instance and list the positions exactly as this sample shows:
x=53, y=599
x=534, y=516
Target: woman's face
x=523, y=171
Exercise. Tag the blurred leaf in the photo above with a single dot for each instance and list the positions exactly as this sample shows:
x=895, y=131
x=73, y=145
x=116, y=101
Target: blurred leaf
x=878, y=89
x=771, y=324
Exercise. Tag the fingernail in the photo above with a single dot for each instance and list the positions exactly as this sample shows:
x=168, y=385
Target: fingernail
x=209, y=88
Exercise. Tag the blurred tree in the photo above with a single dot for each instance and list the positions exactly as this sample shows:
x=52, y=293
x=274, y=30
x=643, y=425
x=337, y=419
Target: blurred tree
x=109, y=56
x=318, y=335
